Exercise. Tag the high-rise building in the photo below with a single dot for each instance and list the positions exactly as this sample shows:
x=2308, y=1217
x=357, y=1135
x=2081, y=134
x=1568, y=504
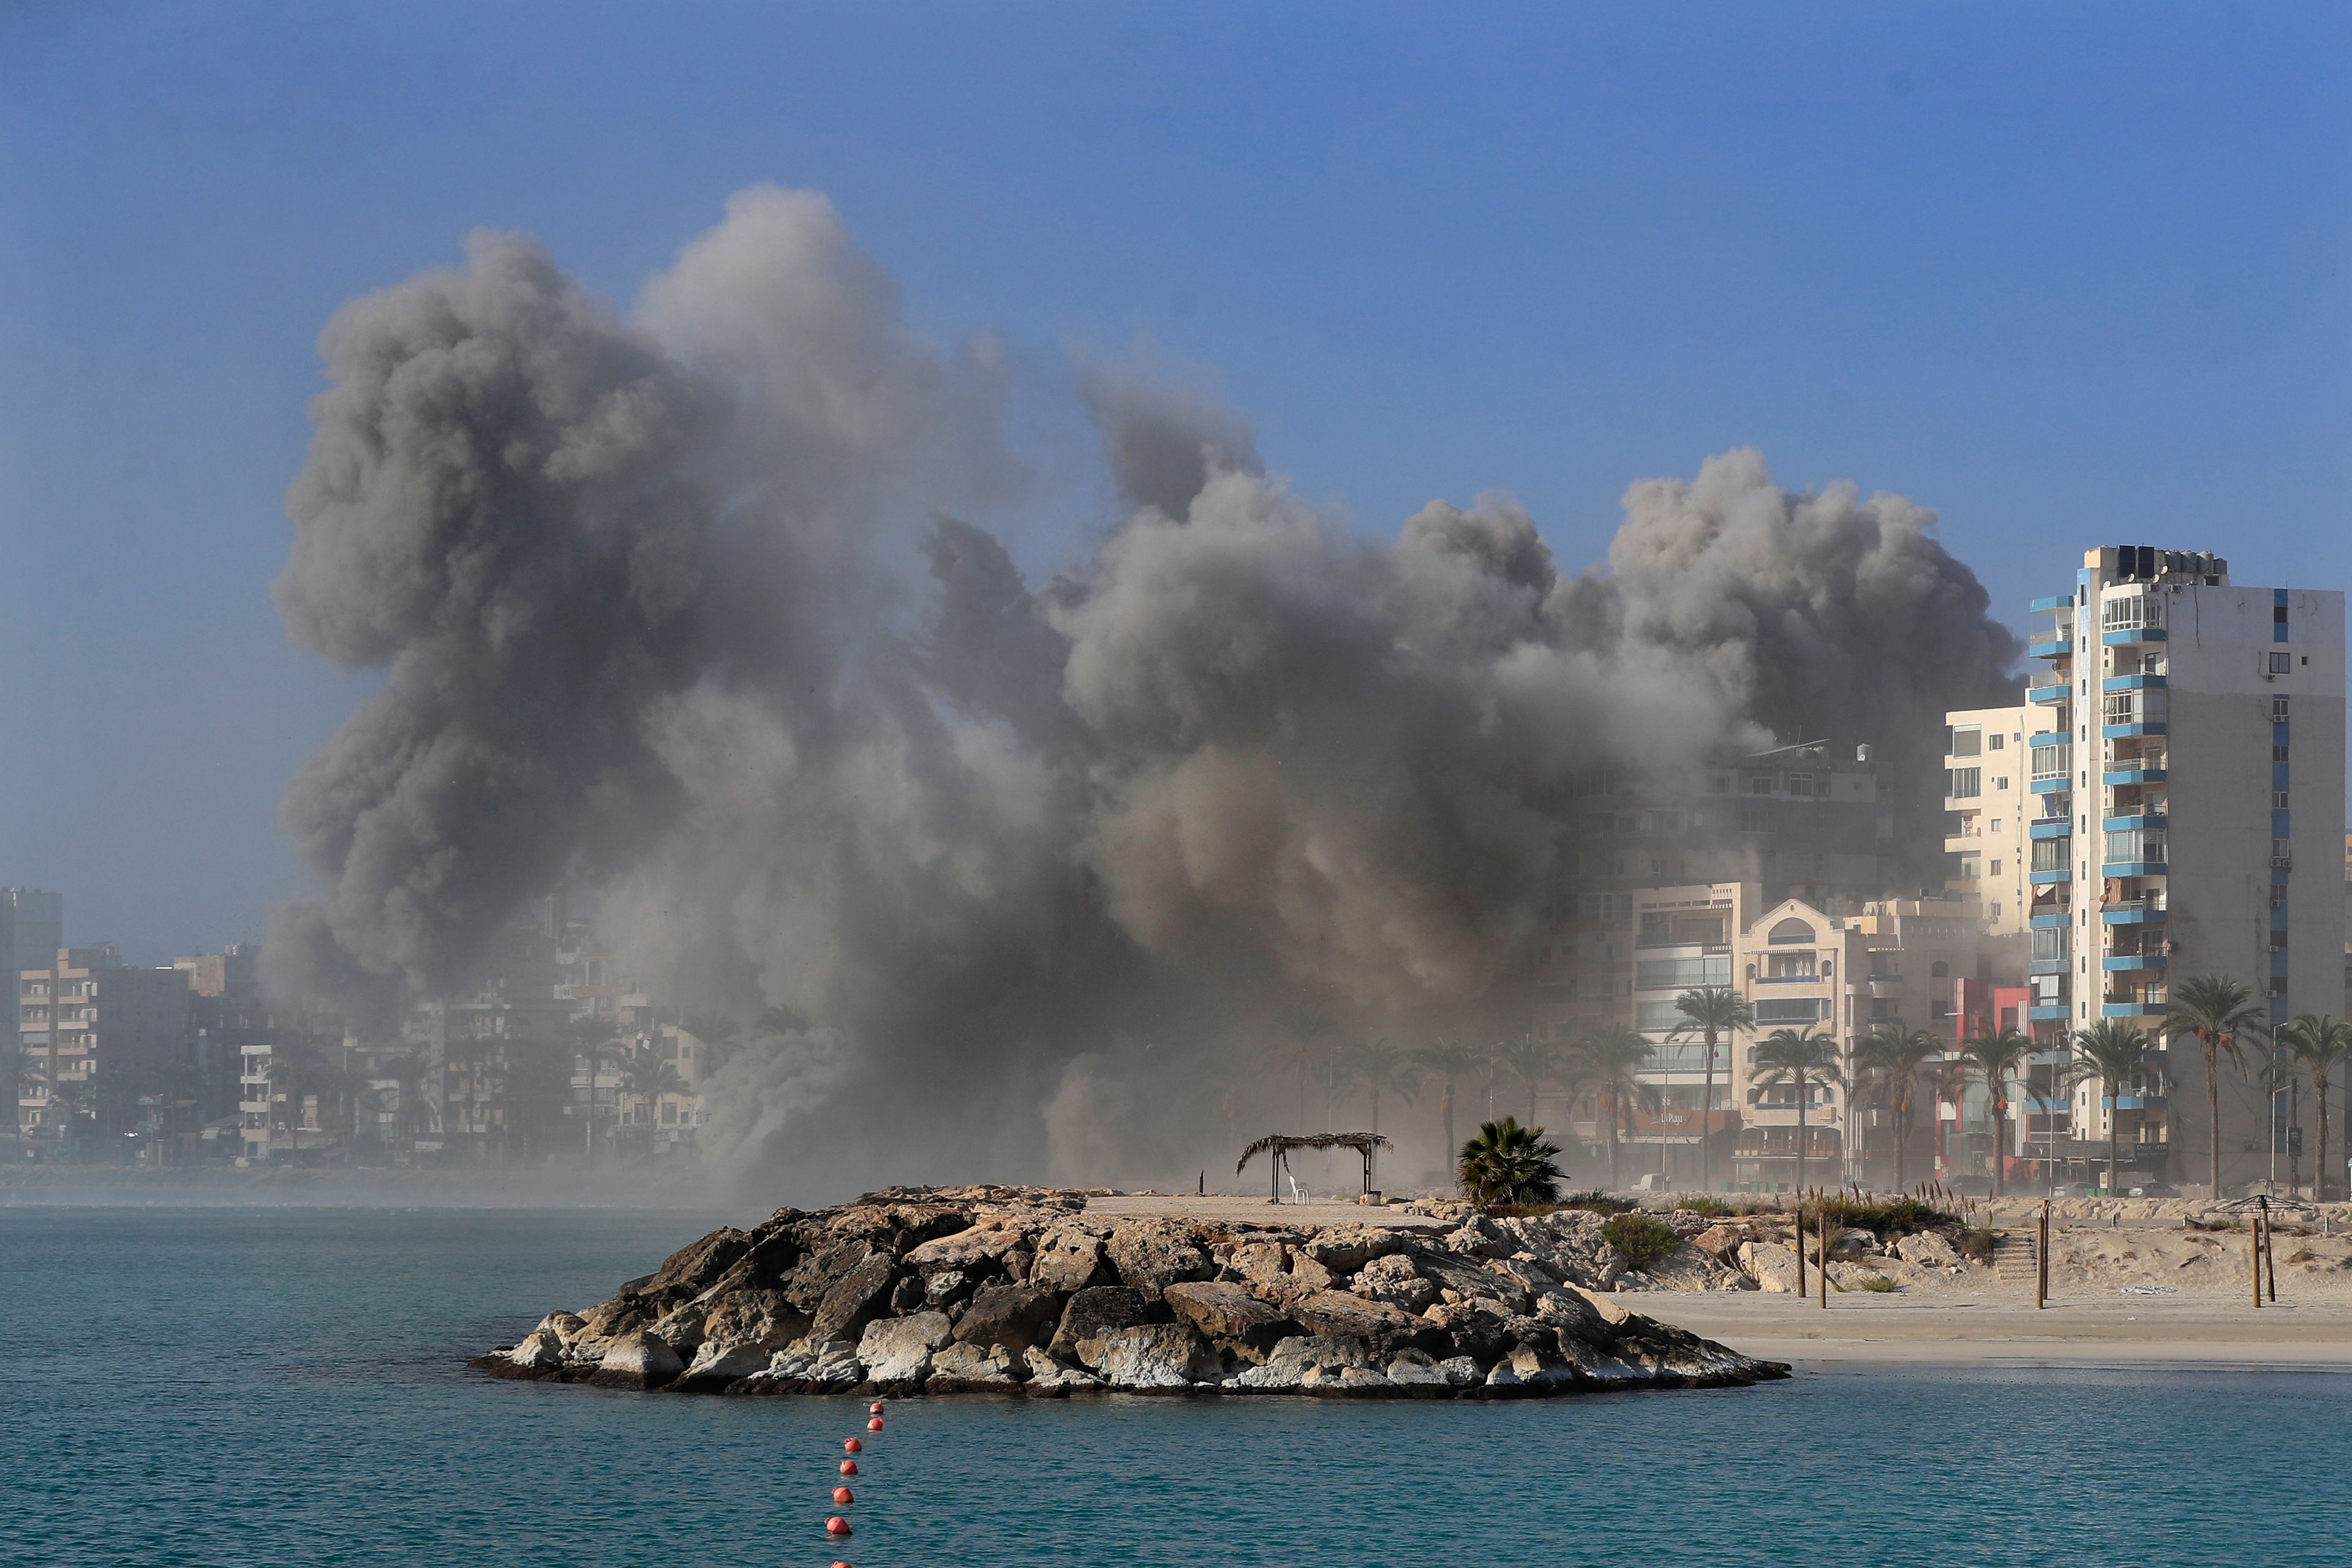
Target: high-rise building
x=32, y=929
x=2187, y=756
x=1985, y=789
x=94, y=1031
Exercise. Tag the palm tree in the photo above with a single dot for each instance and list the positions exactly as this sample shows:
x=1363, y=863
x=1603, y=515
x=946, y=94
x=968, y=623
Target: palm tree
x=1383, y=1068
x=1509, y=1164
x=648, y=1075
x=1447, y=1060
x=1996, y=1055
x=2217, y=1010
x=1530, y=1060
x=1893, y=1055
x=1799, y=1061
x=2110, y=1052
x=2319, y=1042
x=1610, y=1062
x=1712, y=1014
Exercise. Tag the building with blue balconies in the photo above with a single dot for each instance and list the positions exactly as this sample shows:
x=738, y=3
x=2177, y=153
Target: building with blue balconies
x=2186, y=755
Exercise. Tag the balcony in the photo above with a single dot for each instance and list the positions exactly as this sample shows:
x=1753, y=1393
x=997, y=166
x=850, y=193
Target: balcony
x=2146, y=822
x=2132, y=775
x=2131, y=731
x=2133, y=912
x=2046, y=966
x=2131, y=1007
x=1790, y=979
x=2137, y=1103
x=2125, y=636
x=2042, y=920
x=2051, y=647
x=2132, y=869
x=2050, y=878
x=2051, y=828
x=2053, y=1013
x=2131, y=683
x=2053, y=783
x=2042, y=694
x=2122, y=962
x=2060, y=603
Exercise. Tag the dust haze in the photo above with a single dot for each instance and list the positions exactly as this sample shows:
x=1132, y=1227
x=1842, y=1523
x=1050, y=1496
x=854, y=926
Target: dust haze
x=687, y=603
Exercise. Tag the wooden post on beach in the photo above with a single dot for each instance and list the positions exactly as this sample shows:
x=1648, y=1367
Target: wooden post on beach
x=1821, y=1231
x=2270, y=1257
x=1801, y=1244
x=2041, y=1262
x=2254, y=1256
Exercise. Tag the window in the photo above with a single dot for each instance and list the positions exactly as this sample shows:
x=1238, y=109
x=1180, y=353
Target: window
x=2278, y=709
x=1779, y=1010
x=1997, y=740
x=2278, y=895
x=2135, y=845
x=2278, y=754
x=1759, y=784
x=1968, y=869
x=1963, y=783
x=1996, y=824
x=1791, y=930
x=2122, y=708
x=2282, y=850
x=1755, y=819
x=1800, y=783
x=2001, y=785
x=2281, y=663
x=1996, y=868
x=1967, y=742
x=2049, y=942
x=2278, y=800
x=2131, y=612
x=1789, y=965
x=2053, y=761
x=2049, y=854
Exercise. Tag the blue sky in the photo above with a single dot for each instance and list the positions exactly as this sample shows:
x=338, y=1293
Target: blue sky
x=2069, y=274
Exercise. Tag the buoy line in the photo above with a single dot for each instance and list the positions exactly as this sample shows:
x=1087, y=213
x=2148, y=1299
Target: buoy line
x=837, y=1525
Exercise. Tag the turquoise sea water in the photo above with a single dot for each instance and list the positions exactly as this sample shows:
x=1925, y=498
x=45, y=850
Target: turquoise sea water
x=284, y=1387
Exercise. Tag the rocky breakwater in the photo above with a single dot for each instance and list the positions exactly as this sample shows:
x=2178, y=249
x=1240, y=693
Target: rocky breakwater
x=1016, y=1290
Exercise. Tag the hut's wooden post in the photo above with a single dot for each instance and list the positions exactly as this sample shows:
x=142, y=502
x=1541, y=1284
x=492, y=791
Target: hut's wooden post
x=2270, y=1257
x=1801, y=1246
x=2254, y=1257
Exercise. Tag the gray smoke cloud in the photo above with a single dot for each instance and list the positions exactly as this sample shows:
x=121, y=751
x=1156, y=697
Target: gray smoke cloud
x=1025, y=879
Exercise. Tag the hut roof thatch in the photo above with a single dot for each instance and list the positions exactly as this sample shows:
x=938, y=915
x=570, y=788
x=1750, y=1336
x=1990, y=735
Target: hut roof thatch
x=1284, y=1143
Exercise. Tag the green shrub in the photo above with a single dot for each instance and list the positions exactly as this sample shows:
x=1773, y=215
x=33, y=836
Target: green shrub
x=1878, y=1282
x=1705, y=1204
x=1597, y=1202
x=1975, y=1243
x=1642, y=1238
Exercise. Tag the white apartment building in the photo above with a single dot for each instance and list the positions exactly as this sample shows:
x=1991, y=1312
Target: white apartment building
x=1891, y=962
x=2187, y=756
x=1985, y=789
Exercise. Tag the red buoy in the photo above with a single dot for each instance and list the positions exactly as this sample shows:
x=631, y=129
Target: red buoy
x=875, y=1408
x=841, y=1565
x=875, y=1425
x=844, y=1495
x=849, y=1467
x=853, y=1447
x=837, y=1525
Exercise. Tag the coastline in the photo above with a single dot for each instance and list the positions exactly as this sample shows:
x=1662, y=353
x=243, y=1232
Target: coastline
x=1991, y=1331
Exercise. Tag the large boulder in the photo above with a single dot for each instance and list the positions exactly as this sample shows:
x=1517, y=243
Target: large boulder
x=1051, y=1379
x=974, y=1251
x=1392, y=1280
x=1152, y=1254
x=1335, y=1314
x=896, y=1351
x=1229, y=1317
x=1154, y=1357
x=700, y=1264
x=1256, y=1263
x=1009, y=1316
x=717, y=1363
x=1929, y=1250
x=1094, y=1312
x=1068, y=1260
x=1301, y=1360
x=542, y=1350
x=974, y=1368
x=565, y=1326
x=855, y=1299
x=1345, y=1249
x=638, y=1359
x=1688, y=1268
x=1772, y=1266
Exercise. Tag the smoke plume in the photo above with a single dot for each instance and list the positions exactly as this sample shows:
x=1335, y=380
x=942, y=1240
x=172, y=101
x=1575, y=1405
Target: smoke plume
x=685, y=604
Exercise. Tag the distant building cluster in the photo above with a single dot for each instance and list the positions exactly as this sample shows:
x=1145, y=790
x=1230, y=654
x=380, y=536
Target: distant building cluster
x=559, y=1056
x=2167, y=801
